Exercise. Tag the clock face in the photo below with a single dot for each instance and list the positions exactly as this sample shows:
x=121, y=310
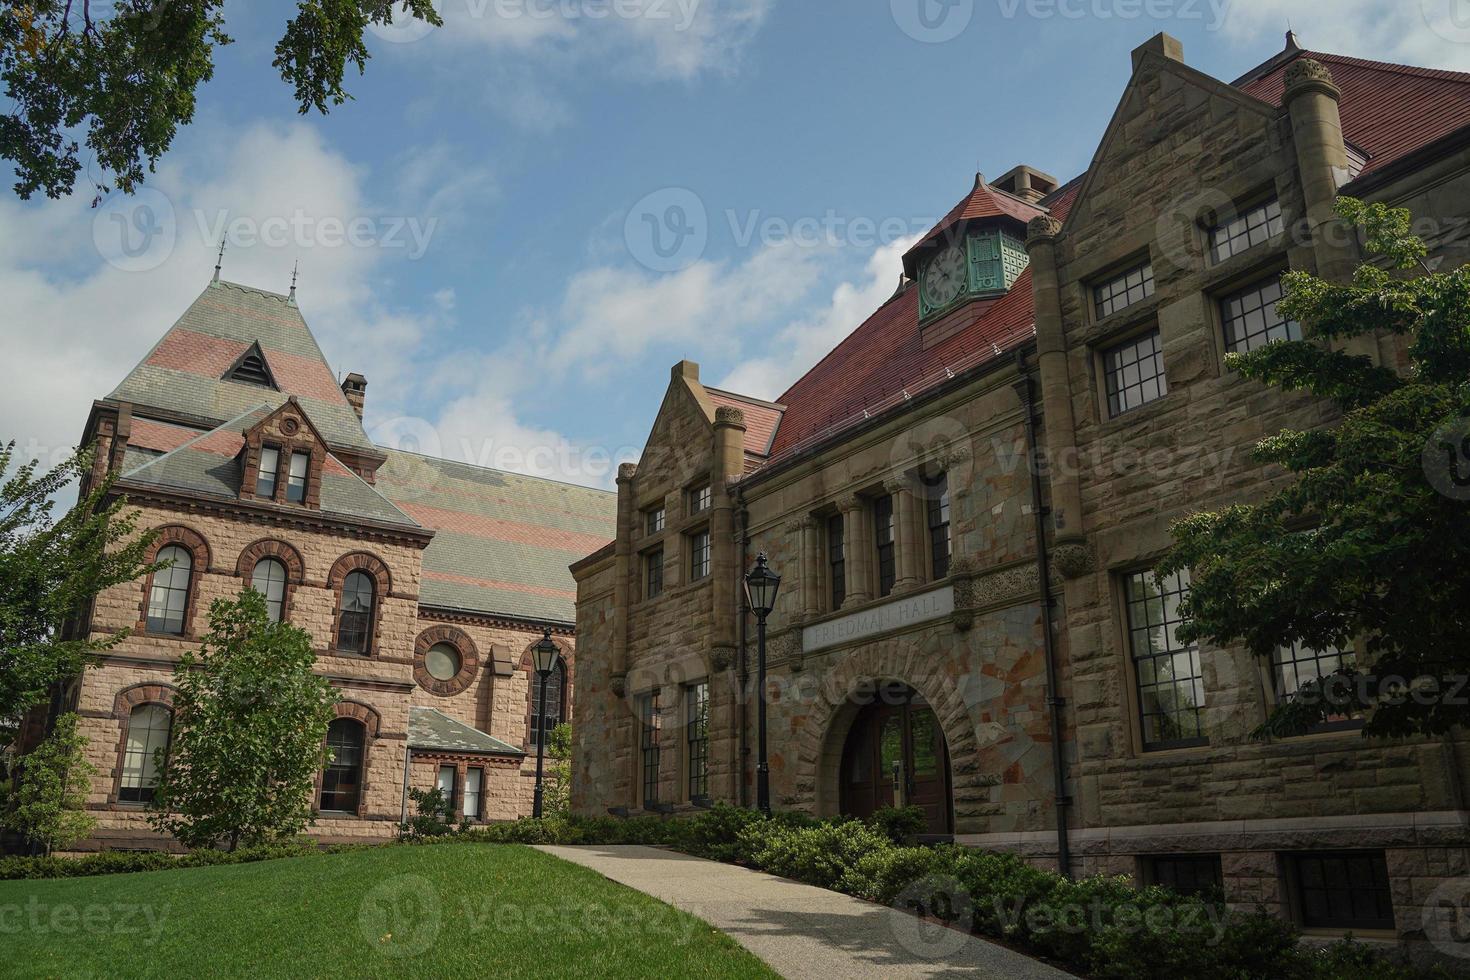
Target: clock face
x=944, y=276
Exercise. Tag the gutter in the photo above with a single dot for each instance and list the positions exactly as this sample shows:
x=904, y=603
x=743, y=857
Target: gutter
x=407, y=765
x=1025, y=387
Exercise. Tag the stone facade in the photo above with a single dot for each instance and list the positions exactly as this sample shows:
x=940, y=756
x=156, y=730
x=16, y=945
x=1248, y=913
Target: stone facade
x=1184, y=152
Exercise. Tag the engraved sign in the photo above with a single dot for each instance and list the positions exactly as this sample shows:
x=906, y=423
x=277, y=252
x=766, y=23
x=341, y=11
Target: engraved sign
x=906, y=611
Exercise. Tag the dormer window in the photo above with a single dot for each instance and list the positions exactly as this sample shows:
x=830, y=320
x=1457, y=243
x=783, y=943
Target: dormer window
x=283, y=459
x=265, y=474
x=252, y=369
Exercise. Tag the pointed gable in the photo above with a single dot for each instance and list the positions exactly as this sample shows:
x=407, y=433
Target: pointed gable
x=189, y=373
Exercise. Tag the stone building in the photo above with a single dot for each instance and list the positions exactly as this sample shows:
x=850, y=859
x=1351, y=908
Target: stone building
x=912, y=657
x=422, y=582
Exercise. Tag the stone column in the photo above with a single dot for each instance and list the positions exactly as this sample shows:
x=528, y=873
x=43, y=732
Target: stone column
x=625, y=570
x=728, y=464
x=809, y=549
x=856, y=552
x=1056, y=383
x=907, y=543
x=1316, y=128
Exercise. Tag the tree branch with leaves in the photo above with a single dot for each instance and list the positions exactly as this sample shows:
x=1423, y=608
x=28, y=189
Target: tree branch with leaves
x=1367, y=549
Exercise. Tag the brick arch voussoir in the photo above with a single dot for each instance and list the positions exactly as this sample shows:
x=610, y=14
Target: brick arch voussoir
x=372, y=722
x=364, y=561
x=272, y=548
x=139, y=694
x=187, y=537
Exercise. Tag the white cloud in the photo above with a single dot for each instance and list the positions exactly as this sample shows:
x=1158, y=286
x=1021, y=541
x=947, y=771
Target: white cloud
x=802, y=343
x=1430, y=33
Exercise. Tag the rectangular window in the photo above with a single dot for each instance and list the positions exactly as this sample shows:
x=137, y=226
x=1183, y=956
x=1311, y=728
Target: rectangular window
x=265, y=473
x=296, y=478
x=474, y=781
x=836, y=561
x=698, y=555
x=1171, y=688
x=1134, y=372
x=936, y=489
x=696, y=697
x=1342, y=890
x=445, y=783
x=1251, y=319
x=1246, y=231
x=1187, y=874
x=649, y=722
x=654, y=520
x=653, y=574
x=699, y=499
x=1124, y=290
x=1294, y=665
x=883, y=538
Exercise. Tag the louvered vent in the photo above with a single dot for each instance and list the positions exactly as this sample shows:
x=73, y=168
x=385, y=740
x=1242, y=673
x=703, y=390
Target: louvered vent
x=252, y=371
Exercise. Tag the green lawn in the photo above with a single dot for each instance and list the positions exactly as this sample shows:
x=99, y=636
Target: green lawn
x=464, y=910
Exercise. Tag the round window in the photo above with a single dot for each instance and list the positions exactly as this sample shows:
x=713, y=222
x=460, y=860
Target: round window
x=442, y=662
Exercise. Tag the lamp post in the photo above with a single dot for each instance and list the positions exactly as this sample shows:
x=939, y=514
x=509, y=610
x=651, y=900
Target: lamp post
x=544, y=656
x=761, y=585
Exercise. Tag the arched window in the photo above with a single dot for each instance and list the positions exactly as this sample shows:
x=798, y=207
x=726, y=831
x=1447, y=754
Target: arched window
x=269, y=579
x=147, y=743
x=342, y=781
x=168, y=600
x=545, y=717
x=442, y=662
x=356, y=624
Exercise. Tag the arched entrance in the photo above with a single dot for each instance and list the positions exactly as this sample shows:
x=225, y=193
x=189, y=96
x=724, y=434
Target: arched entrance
x=896, y=755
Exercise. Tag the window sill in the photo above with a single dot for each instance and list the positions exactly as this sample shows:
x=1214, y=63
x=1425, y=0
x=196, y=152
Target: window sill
x=1164, y=749
x=1119, y=423
x=1116, y=326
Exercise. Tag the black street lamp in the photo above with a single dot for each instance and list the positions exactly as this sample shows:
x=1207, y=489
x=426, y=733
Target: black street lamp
x=761, y=586
x=544, y=656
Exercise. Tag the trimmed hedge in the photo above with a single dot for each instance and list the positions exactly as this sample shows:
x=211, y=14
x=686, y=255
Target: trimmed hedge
x=126, y=862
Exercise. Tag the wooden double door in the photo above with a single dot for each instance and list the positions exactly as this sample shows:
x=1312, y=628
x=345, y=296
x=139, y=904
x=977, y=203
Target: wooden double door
x=896, y=755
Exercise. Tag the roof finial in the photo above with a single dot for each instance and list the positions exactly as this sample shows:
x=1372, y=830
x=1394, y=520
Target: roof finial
x=219, y=263
x=294, y=270
x=1291, y=41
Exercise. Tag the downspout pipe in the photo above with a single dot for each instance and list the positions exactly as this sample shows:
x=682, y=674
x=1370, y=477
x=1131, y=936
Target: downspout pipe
x=742, y=527
x=1026, y=389
x=407, y=767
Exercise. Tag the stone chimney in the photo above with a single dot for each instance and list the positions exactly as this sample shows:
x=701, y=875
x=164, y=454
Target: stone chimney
x=1027, y=183
x=355, y=388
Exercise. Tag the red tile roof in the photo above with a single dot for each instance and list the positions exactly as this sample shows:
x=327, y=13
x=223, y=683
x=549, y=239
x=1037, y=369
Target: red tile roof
x=1387, y=110
x=761, y=419
x=883, y=359
x=983, y=201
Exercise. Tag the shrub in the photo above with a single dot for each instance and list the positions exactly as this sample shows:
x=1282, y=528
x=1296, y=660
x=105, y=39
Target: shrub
x=881, y=876
x=125, y=862
x=899, y=823
x=715, y=834
x=431, y=816
x=818, y=855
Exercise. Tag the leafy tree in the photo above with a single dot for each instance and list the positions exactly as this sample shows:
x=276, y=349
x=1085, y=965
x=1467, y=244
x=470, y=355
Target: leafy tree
x=556, y=797
x=126, y=72
x=1368, y=548
x=50, y=570
x=48, y=806
x=250, y=723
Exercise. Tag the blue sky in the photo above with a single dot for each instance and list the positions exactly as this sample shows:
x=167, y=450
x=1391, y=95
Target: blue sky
x=500, y=290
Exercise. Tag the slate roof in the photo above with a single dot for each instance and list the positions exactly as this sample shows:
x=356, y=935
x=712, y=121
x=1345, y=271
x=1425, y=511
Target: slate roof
x=209, y=464
x=431, y=729
x=502, y=541
x=184, y=371
x=1388, y=111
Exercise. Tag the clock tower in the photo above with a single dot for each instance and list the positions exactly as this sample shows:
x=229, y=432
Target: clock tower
x=977, y=252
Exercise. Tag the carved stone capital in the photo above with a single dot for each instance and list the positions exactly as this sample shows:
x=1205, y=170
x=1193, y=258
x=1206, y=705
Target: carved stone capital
x=850, y=503
x=618, y=684
x=721, y=659
x=1073, y=558
x=786, y=646
x=1305, y=75
x=626, y=472
x=729, y=415
x=1042, y=228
